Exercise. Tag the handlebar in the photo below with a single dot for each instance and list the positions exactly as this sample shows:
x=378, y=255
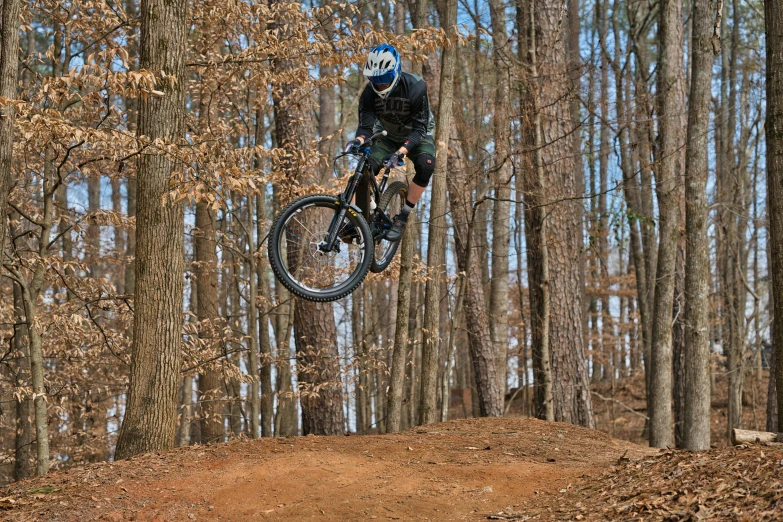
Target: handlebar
x=375, y=136
x=366, y=146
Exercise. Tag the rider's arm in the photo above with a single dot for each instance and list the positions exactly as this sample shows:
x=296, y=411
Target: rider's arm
x=367, y=116
x=420, y=114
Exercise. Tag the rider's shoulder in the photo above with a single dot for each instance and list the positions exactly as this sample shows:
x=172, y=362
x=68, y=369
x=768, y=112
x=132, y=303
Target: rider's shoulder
x=412, y=78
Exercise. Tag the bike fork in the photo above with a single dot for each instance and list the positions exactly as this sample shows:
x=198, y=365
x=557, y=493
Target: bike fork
x=345, y=202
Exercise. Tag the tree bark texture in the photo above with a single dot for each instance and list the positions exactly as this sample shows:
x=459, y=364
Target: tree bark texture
x=482, y=354
x=643, y=135
x=772, y=393
x=501, y=210
x=210, y=385
x=696, y=428
x=9, y=51
x=24, y=462
x=670, y=103
x=732, y=225
x=318, y=370
x=264, y=342
x=631, y=193
x=603, y=172
x=252, y=322
x=186, y=412
x=436, y=249
x=39, y=390
x=773, y=10
x=150, y=421
x=315, y=332
x=570, y=381
x=400, y=347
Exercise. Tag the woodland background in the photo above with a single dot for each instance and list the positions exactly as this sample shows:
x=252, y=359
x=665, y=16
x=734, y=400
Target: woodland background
x=594, y=247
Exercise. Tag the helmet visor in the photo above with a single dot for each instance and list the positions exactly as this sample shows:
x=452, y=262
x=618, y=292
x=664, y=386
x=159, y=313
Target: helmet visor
x=383, y=79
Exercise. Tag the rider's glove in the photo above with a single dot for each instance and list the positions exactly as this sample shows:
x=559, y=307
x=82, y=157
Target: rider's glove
x=393, y=160
x=353, y=145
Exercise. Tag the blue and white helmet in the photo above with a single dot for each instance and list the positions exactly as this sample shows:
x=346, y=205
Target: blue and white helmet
x=383, y=68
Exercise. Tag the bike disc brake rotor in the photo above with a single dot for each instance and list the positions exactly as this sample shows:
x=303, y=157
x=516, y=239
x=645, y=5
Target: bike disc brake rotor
x=306, y=262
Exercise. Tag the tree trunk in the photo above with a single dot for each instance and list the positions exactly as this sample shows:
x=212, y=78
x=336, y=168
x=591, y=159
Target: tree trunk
x=483, y=357
x=644, y=136
x=39, y=390
x=357, y=331
x=696, y=428
x=678, y=339
x=119, y=234
x=318, y=369
x=603, y=174
x=252, y=322
x=731, y=221
x=264, y=344
x=400, y=347
x=286, y=417
x=436, y=250
x=631, y=192
x=501, y=210
x=186, y=417
x=670, y=104
x=23, y=462
x=315, y=332
x=237, y=413
x=93, y=253
x=559, y=274
x=210, y=385
x=773, y=10
x=129, y=282
x=9, y=50
x=772, y=402
x=150, y=421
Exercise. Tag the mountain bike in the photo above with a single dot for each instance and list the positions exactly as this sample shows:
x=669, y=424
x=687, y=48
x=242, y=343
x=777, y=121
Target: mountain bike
x=321, y=247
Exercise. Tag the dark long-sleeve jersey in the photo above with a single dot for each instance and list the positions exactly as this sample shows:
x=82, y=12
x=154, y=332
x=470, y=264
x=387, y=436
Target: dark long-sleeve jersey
x=405, y=114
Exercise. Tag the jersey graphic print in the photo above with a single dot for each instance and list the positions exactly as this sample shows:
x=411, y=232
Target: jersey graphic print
x=394, y=110
x=404, y=114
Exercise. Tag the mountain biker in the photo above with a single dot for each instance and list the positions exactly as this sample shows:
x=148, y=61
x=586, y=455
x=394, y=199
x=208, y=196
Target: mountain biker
x=396, y=102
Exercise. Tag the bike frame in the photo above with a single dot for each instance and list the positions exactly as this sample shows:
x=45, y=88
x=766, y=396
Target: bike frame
x=347, y=195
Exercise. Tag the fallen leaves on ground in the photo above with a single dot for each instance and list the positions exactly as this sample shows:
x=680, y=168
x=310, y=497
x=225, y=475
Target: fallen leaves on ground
x=743, y=483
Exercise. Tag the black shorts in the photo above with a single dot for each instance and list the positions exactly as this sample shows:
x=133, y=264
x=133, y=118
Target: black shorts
x=383, y=147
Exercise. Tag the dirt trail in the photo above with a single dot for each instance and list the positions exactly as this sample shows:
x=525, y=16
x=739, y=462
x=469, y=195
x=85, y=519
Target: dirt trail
x=460, y=470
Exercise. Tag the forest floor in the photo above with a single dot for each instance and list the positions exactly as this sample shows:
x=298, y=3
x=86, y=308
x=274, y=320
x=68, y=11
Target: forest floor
x=473, y=469
x=460, y=470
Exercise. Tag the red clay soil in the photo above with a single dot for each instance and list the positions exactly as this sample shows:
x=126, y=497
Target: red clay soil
x=474, y=469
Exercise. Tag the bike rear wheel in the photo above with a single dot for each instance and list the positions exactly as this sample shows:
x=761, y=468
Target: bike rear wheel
x=298, y=260
x=391, y=203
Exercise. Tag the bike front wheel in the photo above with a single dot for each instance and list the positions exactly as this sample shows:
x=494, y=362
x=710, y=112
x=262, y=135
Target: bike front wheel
x=298, y=257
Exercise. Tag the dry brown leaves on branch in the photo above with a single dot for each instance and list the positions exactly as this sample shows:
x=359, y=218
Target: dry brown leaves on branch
x=743, y=483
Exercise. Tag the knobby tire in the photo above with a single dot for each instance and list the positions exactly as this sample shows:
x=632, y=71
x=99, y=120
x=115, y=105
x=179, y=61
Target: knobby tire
x=278, y=264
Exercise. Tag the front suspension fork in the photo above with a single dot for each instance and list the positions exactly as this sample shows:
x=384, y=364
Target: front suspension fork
x=345, y=202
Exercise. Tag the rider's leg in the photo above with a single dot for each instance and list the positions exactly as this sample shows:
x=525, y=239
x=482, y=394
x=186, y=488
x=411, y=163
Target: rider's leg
x=380, y=150
x=423, y=158
x=424, y=165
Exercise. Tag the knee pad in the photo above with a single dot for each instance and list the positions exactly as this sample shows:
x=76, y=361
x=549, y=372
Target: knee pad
x=424, y=164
